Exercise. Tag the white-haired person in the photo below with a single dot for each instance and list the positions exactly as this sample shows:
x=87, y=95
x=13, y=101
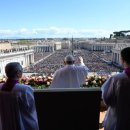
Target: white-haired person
x=71, y=75
x=25, y=95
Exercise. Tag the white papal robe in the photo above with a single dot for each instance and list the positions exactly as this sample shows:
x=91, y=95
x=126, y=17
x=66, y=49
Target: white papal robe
x=70, y=76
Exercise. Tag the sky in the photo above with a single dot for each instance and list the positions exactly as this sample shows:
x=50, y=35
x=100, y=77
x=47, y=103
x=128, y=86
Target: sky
x=63, y=18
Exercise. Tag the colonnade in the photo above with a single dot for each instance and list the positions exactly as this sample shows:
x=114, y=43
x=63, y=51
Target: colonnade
x=43, y=48
x=25, y=58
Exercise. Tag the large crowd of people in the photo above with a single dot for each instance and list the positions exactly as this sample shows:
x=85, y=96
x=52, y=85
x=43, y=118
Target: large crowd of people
x=40, y=55
x=103, y=55
x=92, y=59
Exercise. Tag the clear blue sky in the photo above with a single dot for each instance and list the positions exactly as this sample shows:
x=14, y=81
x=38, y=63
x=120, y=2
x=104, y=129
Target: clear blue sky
x=63, y=18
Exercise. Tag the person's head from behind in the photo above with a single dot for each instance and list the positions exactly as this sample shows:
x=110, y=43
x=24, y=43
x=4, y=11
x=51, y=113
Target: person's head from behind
x=125, y=56
x=13, y=70
x=69, y=60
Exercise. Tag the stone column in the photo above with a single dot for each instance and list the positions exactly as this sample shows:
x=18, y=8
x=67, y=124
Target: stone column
x=26, y=60
x=32, y=58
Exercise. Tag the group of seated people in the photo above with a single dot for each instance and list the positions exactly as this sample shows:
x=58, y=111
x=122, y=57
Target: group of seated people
x=115, y=91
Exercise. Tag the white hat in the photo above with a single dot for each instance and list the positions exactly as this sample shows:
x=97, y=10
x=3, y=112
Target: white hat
x=69, y=58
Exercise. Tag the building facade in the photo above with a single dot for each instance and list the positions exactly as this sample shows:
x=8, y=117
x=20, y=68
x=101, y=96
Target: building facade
x=25, y=58
x=116, y=52
x=43, y=48
x=5, y=45
x=57, y=45
x=97, y=46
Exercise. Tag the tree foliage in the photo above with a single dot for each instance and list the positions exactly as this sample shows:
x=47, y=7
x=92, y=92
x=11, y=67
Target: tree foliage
x=24, y=42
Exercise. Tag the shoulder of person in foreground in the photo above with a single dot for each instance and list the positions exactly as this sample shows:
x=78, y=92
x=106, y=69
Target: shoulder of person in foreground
x=27, y=96
x=110, y=86
x=113, y=79
x=28, y=108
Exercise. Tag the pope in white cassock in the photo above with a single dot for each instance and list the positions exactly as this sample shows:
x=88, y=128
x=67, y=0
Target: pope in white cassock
x=71, y=75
